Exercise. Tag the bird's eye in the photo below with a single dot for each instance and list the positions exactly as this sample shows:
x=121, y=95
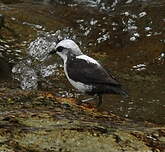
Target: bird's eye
x=59, y=49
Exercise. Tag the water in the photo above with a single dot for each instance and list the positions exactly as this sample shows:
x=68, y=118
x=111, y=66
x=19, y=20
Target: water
x=125, y=36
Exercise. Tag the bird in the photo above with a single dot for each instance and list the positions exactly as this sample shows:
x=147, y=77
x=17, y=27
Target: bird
x=85, y=73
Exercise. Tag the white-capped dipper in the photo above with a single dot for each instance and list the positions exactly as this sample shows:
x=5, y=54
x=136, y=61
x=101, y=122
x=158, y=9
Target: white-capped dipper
x=85, y=73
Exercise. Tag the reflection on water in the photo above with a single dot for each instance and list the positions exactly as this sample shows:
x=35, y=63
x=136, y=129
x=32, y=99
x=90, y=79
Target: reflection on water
x=126, y=36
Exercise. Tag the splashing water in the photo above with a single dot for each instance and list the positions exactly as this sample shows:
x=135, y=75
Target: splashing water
x=24, y=73
x=34, y=67
x=31, y=68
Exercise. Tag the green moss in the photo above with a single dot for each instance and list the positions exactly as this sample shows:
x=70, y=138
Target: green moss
x=66, y=140
x=129, y=142
x=5, y=148
x=3, y=139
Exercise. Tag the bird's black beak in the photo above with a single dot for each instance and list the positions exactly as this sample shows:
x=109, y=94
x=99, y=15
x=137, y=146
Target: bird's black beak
x=52, y=52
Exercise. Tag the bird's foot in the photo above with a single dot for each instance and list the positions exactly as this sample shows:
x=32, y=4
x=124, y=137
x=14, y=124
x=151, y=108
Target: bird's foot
x=86, y=100
x=99, y=102
x=78, y=102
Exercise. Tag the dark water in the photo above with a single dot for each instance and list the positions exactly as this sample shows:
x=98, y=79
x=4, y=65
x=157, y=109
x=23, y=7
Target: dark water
x=127, y=37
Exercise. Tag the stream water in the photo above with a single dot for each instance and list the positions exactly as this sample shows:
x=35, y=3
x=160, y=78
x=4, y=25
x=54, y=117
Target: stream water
x=126, y=37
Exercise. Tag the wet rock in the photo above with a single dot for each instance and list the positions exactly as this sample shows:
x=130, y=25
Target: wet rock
x=69, y=140
x=39, y=121
x=5, y=148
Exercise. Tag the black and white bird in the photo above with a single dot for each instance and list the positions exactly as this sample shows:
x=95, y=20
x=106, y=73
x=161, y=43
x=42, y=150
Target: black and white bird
x=85, y=73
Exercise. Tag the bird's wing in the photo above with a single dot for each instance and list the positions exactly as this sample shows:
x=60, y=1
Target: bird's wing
x=88, y=71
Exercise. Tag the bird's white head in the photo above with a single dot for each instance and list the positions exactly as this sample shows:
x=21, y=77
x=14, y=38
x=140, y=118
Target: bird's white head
x=66, y=47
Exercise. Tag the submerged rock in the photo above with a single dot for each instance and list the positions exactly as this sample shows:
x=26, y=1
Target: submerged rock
x=5, y=68
x=2, y=18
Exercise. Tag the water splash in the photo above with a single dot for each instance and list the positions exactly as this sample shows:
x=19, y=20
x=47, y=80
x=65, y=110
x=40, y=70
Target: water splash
x=28, y=71
x=39, y=48
x=139, y=67
x=46, y=71
x=34, y=67
x=26, y=75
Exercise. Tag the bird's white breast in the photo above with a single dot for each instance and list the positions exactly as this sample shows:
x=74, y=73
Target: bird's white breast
x=78, y=85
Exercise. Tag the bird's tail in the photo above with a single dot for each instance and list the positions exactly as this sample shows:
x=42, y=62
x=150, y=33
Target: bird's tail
x=123, y=93
x=119, y=90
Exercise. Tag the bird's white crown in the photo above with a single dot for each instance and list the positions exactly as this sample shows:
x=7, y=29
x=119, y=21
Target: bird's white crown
x=71, y=45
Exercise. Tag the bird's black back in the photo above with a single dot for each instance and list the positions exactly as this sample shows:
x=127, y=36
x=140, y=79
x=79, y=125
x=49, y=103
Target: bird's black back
x=88, y=73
